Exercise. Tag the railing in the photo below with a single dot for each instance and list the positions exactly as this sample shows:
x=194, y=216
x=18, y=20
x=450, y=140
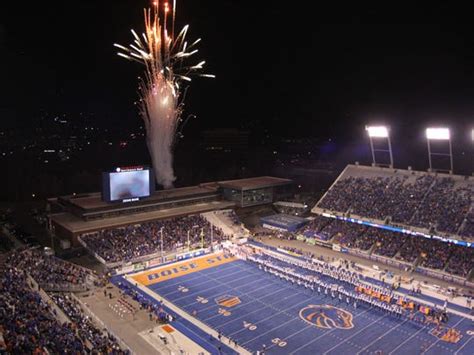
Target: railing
x=404, y=266
x=59, y=314
x=445, y=277
x=178, y=255
x=53, y=287
x=100, y=323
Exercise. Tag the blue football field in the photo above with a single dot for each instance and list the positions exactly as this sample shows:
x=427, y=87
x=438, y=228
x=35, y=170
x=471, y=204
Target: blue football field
x=255, y=309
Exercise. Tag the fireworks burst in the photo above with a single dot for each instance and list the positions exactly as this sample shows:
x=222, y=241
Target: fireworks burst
x=164, y=57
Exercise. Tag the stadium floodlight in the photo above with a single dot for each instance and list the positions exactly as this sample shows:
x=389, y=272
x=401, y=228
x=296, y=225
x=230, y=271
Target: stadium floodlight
x=377, y=131
x=438, y=134
x=380, y=132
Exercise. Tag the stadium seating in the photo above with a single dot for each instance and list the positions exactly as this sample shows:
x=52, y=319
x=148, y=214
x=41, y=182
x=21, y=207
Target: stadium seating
x=404, y=205
x=444, y=207
x=275, y=234
x=431, y=202
x=314, y=229
x=431, y=253
x=29, y=326
x=388, y=243
x=225, y=220
x=468, y=227
x=346, y=233
x=100, y=342
x=435, y=254
x=52, y=273
x=134, y=241
x=410, y=250
x=461, y=261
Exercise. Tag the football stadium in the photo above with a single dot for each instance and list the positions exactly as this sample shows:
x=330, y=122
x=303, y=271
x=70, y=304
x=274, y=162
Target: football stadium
x=257, y=235
x=378, y=265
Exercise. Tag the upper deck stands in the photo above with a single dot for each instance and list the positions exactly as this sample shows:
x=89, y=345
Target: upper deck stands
x=428, y=201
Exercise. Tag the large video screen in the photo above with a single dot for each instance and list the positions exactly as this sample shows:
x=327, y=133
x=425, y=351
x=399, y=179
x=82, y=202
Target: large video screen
x=127, y=184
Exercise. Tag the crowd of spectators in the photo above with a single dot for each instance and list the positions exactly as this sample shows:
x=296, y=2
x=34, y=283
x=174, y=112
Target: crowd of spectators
x=461, y=261
x=314, y=228
x=371, y=196
x=406, y=201
x=29, y=325
x=425, y=201
x=134, y=241
x=444, y=207
x=338, y=198
x=101, y=341
x=366, y=240
x=410, y=250
x=346, y=233
x=435, y=254
x=50, y=272
x=388, y=243
x=468, y=227
x=274, y=233
x=363, y=196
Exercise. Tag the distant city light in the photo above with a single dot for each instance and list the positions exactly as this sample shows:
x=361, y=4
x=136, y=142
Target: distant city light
x=438, y=133
x=377, y=131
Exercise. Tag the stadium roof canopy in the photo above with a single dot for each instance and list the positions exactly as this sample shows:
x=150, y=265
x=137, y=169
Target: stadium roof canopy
x=93, y=201
x=254, y=183
x=74, y=225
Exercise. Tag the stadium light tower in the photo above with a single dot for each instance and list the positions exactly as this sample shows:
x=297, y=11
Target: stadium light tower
x=380, y=133
x=439, y=134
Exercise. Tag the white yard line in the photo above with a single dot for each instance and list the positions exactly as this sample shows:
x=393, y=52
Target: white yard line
x=273, y=315
x=457, y=351
x=237, y=307
x=407, y=340
x=200, y=291
x=325, y=333
x=383, y=335
x=353, y=335
x=436, y=342
x=271, y=330
x=180, y=281
x=186, y=316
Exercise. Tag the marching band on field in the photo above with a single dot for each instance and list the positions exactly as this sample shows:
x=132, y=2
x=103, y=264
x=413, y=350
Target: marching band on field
x=380, y=297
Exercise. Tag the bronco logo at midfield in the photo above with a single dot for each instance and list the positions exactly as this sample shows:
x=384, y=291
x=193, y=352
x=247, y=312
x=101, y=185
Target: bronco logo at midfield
x=327, y=317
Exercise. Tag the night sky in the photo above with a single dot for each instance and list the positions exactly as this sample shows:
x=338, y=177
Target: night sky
x=292, y=68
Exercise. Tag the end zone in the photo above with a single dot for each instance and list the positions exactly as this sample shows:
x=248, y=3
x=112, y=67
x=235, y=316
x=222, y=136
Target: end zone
x=171, y=271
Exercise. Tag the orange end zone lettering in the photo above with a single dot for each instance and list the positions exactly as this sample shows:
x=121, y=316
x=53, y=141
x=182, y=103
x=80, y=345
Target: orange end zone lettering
x=172, y=271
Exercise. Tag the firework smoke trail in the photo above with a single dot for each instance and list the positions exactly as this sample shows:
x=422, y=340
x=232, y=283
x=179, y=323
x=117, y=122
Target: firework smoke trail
x=160, y=89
